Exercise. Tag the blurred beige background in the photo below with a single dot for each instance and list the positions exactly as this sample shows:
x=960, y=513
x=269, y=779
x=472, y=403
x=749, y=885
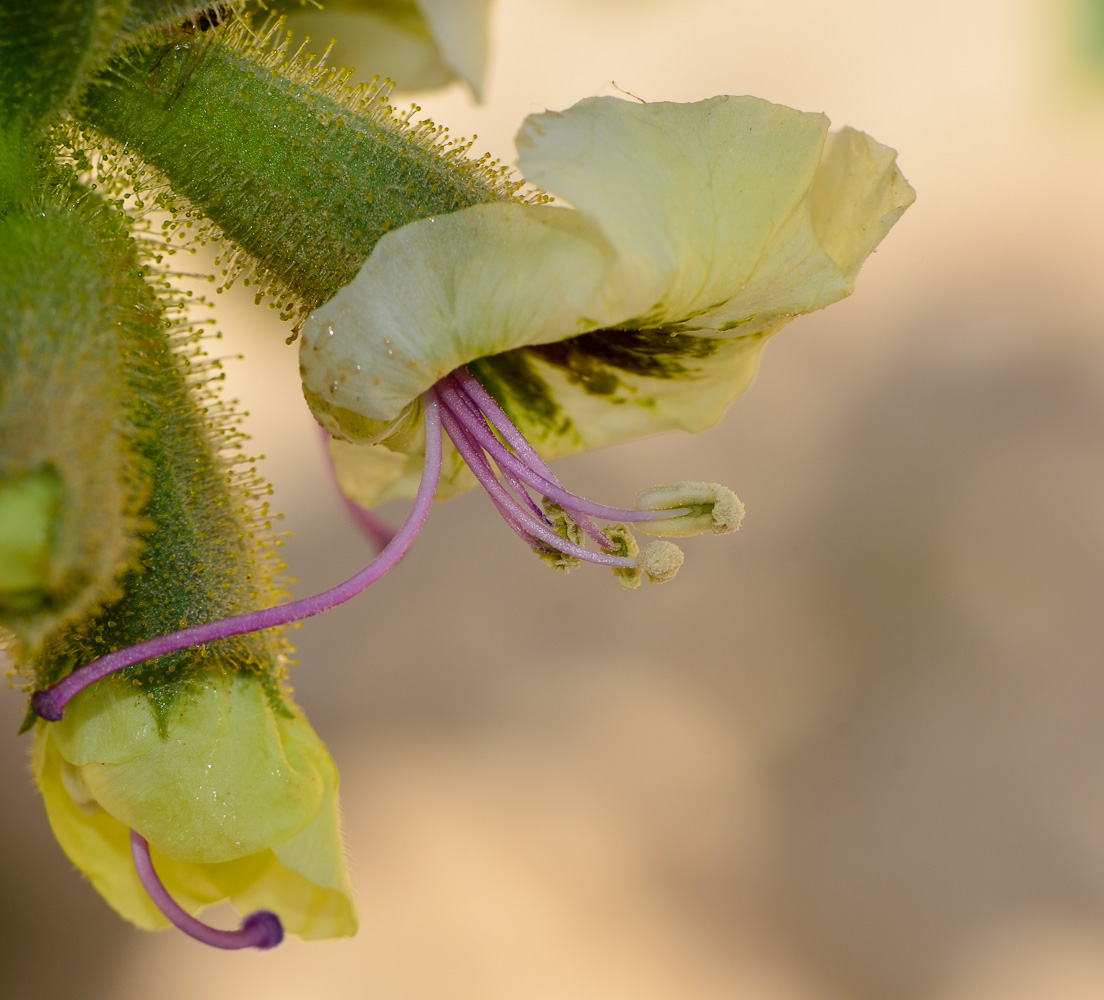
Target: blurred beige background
x=854, y=752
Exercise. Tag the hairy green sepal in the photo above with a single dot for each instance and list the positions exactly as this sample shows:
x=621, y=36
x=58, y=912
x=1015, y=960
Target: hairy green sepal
x=66, y=308
x=305, y=182
x=28, y=509
x=46, y=47
x=199, y=536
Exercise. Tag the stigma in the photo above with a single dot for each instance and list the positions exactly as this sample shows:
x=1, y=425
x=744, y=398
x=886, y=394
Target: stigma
x=261, y=929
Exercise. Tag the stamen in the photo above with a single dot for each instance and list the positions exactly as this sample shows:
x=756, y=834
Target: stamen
x=261, y=929
x=482, y=433
x=514, y=512
x=569, y=529
x=50, y=703
x=691, y=508
x=371, y=525
x=475, y=422
x=658, y=561
x=501, y=422
x=511, y=513
x=661, y=560
x=540, y=479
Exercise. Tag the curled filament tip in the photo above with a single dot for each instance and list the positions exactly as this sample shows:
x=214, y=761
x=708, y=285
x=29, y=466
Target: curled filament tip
x=259, y=930
x=690, y=508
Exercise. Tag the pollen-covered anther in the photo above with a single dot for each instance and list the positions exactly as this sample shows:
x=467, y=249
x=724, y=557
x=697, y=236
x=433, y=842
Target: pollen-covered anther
x=567, y=529
x=701, y=507
x=660, y=561
x=624, y=544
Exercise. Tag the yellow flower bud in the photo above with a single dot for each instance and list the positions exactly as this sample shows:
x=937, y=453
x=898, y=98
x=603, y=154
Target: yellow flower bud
x=237, y=798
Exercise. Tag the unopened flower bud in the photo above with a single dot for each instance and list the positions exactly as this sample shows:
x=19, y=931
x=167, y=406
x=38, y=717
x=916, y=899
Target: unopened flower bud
x=703, y=506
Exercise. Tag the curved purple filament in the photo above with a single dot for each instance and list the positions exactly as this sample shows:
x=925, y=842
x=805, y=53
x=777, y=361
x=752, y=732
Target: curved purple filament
x=514, y=512
x=50, y=703
x=261, y=929
x=371, y=525
x=462, y=407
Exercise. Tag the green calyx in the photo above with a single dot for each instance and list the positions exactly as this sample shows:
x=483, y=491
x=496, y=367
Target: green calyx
x=46, y=50
x=182, y=15
x=15, y=168
x=28, y=509
x=128, y=513
x=189, y=540
x=67, y=305
x=302, y=174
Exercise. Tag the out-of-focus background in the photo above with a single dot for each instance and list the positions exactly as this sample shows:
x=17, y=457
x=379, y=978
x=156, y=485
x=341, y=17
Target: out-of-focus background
x=855, y=752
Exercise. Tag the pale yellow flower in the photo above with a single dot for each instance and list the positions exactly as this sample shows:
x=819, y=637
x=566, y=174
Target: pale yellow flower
x=419, y=44
x=236, y=797
x=696, y=232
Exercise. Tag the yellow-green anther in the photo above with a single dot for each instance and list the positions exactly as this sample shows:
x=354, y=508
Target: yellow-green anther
x=660, y=561
x=624, y=544
x=567, y=529
x=28, y=510
x=301, y=174
x=712, y=507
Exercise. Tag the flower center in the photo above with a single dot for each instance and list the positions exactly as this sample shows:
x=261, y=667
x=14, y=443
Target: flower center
x=526, y=492
x=552, y=520
x=261, y=929
x=554, y=526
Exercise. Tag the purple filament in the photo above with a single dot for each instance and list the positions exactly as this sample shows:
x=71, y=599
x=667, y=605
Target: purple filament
x=371, y=525
x=498, y=418
x=50, y=703
x=516, y=515
x=512, y=514
x=259, y=930
x=518, y=473
x=476, y=424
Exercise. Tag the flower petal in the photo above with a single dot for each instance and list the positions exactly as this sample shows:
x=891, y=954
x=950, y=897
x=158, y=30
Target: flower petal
x=697, y=231
x=374, y=474
x=812, y=260
x=418, y=46
x=442, y=291
x=689, y=195
x=460, y=29
x=580, y=394
x=228, y=776
x=858, y=194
